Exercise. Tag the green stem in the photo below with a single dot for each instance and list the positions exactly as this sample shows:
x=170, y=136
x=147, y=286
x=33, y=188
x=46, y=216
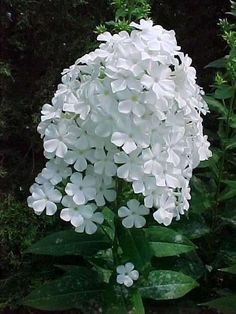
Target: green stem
x=222, y=163
x=115, y=245
x=130, y=8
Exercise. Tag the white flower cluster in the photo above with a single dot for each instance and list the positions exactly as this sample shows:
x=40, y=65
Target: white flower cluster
x=131, y=109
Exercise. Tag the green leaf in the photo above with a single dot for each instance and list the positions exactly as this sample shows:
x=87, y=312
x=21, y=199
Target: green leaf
x=218, y=63
x=79, y=271
x=228, y=192
x=108, y=227
x=201, y=198
x=229, y=217
x=215, y=105
x=230, y=269
x=135, y=246
x=224, y=92
x=114, y=300
x=166, y=284
x=189, y=264
x=227, y=255
x=226, y=305
x=70, y=291
x=232, y=121
x=137, y=303
x=167, y=242
x=231, y=143
x=70, y=242
x=192, y=226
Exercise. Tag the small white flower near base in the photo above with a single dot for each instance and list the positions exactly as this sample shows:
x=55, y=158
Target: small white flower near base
x=126, y=274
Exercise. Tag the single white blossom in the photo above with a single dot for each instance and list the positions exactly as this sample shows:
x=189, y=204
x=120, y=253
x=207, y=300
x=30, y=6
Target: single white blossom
x=82, y=189
x=126, y=274
x=133, y=214
x=91, y=219
x=44, y=197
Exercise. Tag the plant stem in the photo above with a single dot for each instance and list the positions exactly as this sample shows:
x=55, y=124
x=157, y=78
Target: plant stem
x=222, y=163
x=116, y=223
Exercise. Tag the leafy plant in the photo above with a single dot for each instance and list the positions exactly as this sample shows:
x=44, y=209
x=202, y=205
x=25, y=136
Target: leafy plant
x=125, y=12
x=219, y=172
x=97, y=281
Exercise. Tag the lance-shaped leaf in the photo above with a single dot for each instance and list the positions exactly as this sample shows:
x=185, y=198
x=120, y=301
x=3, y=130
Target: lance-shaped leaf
x=193, y=226
x=226, y=305
x=224, y=92
x=134, y=246
x=215, y=105
x=166, y=242
x=166, y=284
x=229, y=192
x=70, y=242
x=70, y=291
x=218, y=63
x=229, y=217
x=231, y=269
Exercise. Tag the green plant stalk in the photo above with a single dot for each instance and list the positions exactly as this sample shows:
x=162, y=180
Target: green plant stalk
x=130, y=8
x=222, y=163
x=116, y=244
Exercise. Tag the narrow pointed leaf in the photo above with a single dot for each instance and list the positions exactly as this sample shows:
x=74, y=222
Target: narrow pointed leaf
x=226, y=305
x=137, y=303
x=215, y=105
x=224, y=92
x=70, y=243
x=218, y=63
x=167, y=242
x=166, y=284
x=70, y=291
x=135, y=246
x=193, y=226
x=230, y=269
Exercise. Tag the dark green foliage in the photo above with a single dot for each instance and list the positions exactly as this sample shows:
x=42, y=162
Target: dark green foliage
x=19, y=229
x=166, y=242
x=69, y=242
x=166, y=284
x=72, y=290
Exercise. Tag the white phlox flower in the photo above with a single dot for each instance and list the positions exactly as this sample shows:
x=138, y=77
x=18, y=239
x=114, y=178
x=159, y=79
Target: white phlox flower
x=44, y=197
x=56, y=170
x=91, y=219
x=129, y=109
x=126, y=274
x=133, y=214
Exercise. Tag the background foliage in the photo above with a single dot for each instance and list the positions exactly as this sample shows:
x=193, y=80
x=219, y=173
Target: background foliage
x=38, y=39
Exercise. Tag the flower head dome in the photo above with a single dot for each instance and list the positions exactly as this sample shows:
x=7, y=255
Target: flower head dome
x=131, y=109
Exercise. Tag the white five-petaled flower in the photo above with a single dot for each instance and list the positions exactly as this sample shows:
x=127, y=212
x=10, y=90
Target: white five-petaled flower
x=82, y=189
x=44, y=197
x=71, y=212
x=133, y=214
x=126, y=274
x=59, y=137
x=90, y=219
x=56, y=170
